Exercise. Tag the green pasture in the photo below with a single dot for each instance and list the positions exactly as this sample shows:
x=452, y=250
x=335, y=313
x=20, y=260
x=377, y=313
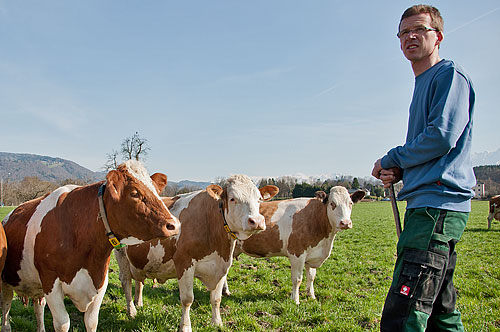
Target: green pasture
x=350, y=286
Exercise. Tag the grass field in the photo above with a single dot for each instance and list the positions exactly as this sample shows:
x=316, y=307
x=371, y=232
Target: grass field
x=350, y=286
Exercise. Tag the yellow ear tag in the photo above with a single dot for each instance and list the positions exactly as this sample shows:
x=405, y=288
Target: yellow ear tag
x=115, y=243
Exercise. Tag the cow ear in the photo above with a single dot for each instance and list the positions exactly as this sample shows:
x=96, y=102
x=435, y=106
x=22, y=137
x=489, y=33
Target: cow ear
x=357, y=196
x=268, y=192
x=159, y=181
x=215, y=191
x=114, y=184
x=321, y=195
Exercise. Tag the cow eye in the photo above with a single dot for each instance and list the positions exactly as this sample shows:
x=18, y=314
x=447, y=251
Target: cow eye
x=232, y=200
x=135, y=194
x=334, y=206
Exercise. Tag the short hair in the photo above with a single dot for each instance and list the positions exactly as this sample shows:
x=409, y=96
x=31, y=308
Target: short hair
x=436, y=19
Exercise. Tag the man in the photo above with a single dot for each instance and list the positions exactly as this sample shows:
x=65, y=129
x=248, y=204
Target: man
x=436, y=170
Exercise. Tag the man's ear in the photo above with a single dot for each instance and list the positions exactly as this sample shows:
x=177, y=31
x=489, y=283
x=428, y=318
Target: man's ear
x=440, y=37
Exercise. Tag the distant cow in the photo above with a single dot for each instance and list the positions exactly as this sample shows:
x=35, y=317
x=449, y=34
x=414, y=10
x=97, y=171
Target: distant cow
x=211, y=220
x=494, y=209
x=60, y=244
x=302, y=229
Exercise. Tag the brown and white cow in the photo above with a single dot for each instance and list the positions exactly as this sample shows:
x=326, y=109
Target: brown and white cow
x=211, y=220
x=302, y=229
x=59, y=245
x=3, y=250
x=494, y=209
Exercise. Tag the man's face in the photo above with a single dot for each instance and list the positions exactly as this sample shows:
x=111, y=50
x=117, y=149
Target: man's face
x=419, y=44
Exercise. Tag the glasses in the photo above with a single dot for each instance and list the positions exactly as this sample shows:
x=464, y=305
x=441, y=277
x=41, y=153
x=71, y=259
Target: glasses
x=418, y=30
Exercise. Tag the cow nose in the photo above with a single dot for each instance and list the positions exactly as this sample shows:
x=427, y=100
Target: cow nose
x=257, y=223
x=345, y=224
x=173, y=225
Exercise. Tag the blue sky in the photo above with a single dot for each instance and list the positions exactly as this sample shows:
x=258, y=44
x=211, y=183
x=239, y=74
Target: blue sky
x=264, y=88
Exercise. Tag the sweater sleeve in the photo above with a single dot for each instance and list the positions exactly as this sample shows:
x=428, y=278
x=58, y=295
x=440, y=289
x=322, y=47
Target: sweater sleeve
x=448, y=116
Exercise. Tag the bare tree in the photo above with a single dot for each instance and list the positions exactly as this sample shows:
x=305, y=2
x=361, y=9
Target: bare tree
x=32, y=187
x=221, y=181
x=286, y=185
x=170, y=190
x=135, y=147
x=111, y=161
x=78, y=182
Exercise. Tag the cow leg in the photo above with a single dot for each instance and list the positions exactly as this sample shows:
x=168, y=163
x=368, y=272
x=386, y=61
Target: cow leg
x=60, y=317
x=215, y=299
x=490, y=218
x=310, y=275
x=126, y=280
x=225, y=287
x=139, y=285
x=7, y=294
x=91, y=317
x=39, y=308
x=297, y=265
x=187, y=298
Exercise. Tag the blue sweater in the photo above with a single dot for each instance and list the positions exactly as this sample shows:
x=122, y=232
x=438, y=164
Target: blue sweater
x=436, y=158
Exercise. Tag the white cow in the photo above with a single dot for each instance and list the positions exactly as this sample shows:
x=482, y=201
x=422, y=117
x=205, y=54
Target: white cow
x=302, y=229
x=211, y=221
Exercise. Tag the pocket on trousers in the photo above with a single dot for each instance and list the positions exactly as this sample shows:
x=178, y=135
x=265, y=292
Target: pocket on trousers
x=421, y=275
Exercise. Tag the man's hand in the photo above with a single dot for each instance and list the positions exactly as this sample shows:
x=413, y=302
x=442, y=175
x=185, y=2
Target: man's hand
x=377, y=168
x=388, y=176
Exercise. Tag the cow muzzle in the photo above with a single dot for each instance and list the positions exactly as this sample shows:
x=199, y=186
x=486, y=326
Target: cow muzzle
x=172, y=226
x=257, y=223
x=345, y=224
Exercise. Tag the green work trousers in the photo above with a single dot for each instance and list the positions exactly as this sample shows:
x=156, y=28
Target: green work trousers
x=422, y=296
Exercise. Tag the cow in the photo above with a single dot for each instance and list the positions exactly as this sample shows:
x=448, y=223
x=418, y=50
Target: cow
x=302, y=229
x=211, y=221
x=3, y=250
x=494, y=209
x=60, y=244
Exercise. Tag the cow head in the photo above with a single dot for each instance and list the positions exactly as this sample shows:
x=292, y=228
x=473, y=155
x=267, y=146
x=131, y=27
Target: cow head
x=133, y=205
x=240, y=200
x=339, y=206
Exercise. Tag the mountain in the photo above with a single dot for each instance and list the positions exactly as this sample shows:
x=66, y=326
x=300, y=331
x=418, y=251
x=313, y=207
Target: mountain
x=486, y=158
x=17, y=166
x=194, y=185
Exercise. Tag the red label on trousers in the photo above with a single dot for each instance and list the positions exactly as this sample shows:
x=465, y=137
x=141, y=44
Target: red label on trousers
x=405, y=290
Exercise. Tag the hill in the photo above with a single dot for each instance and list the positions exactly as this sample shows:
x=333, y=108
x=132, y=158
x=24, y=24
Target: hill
x=17, y=166
x=490, y=176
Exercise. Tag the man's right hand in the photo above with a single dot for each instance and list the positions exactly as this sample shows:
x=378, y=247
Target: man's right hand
x=389, y=176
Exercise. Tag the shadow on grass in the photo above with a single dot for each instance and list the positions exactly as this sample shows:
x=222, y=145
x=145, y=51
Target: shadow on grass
x=254, y=296
x=481, y=230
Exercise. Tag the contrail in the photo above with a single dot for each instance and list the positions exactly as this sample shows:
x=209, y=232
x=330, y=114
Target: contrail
x=473, y=20
x=333, y=87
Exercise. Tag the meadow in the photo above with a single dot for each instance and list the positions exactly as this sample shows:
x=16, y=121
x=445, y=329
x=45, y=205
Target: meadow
x=350, y=286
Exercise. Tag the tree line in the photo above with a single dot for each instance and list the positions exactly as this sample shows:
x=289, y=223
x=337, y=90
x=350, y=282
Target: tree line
x=290, y=187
